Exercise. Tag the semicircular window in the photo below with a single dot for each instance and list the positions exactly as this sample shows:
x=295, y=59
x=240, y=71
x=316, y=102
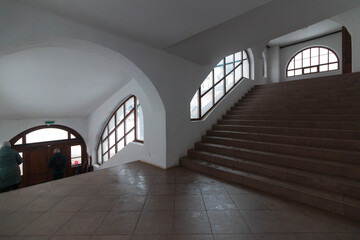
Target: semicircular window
x=224, y=77
x=312, y=60
x=125, y=125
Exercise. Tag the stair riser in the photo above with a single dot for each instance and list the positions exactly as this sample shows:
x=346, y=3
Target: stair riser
x=295, y=124
x=280, y=174
x=306, y=93
x=284, y=161
x=327, y=118
x=322, y=89
x=294, y=111
x=322, y=154
x=316, y=133
x=310, y=142
x=315, y=106
x=316, y=201
x=296, y=100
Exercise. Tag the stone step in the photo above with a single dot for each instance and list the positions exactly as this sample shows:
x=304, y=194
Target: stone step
x=292, y=110
x=334, y=202
x=300, y=105
x=302, y=151
x=296, y=117
x=334, y=184
x=304, y=132
x=294, y=140
x=334, y=168
x=293, y=124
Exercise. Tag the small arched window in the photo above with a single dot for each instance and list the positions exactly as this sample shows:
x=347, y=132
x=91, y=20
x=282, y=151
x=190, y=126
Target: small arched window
x=224, y=77
x=312, y=60
x=125, y=125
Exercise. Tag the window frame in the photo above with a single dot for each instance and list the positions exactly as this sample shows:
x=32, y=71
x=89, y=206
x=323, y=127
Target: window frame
x=223, y=81
x=312, y=66
x=114, y=131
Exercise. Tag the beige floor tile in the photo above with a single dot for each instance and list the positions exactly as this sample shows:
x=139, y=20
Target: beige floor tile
x=128, y=203
x=218, y=202
x=70, y=204
x=189, y=202
x=117, y=223
x=112, y=237
x=155, y=223
x=15, y=222
x=265, y=221
x=234, y=237
x=187, y=189
x=159, y=203
x=11, y=204
x=194, y=237
x=227, y=222
x=191, y=222
x=276, y=236
x=82, y=223
x=46, y=224
x=100, y=204
x=152, y=237
x=41, y=204
x=162, y=189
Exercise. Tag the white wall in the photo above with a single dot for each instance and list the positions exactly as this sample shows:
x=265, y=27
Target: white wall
x=351, y=20
x=11, y=128
x=332, y=41
x=274, y=64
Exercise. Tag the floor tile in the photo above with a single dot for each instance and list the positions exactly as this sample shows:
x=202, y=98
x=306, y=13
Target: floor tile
x=187, y=189
x=218, y=202
x=112, y=237
x=129, y=203
x=276, y=236
x=189, y=202
x=15, y=222
x=194, y=237
x=162, y=189
x=70, y=204
x=152, y=237
x=82, y=223
x=155, y=223
x=100, y=204
x=248, y=201
x=41, y=204
x=10, y=204
x=117, y=223
x=159, y=203
x=265, y=221
x=227, y=222
x=46, y=224
x=212, y=189
x=191, y=222
x=234, y=237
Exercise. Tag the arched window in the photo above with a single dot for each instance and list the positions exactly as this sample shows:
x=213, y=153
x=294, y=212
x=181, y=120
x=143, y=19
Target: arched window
x=312, y=60
x=226, y=74
x=125, y=125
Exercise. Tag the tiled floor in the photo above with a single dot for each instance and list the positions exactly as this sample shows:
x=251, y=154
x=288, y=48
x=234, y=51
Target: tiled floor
x=140, y=202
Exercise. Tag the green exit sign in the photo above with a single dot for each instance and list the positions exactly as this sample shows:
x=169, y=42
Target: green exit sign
x=49, y=122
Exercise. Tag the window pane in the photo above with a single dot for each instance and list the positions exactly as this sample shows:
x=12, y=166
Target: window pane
x=314, y=52
x=206, y=102
x=46, y=134
x=324, y=51
x=219, y=71
x=129, y=105
x=105, y=133
x=75, y=151
x=229, y=64
x=333, y=66
x=112, y=152
x=306, y=70
x=314, y=61
x=332, y=57
x=291, y=65
x=229, y=81
x=19, y=142
x=105, y=145
x=130, y=137
x=306, y=53
x=219, y=90
x=112, y=124
x=323, y=68
x=120, y=145
x=290, y=73
x=105, y=157
x=112, y=139
x=298, y=72
x=119, y=115
x=99, y=155
x=238, y=73
x=298, y=57
x=306, y=62
x=72, y=136
x=130, y=122
x=298, y=64
x=323, y=59
x=246, y=69
x=21, y=166
x=207, y=83
x=75, y=161
x=120, y=131
x=194, y=106
x=139, y=122
x=314, y=69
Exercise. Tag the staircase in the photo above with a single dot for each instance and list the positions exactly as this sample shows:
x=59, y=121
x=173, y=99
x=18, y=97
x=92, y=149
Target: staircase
x=297, y=139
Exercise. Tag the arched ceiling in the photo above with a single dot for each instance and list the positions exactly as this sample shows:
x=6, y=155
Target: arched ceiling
x=56, y=82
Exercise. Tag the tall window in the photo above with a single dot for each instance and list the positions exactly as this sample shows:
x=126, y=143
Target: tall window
x=312, y=60
x=125, y=125
x=226, y=74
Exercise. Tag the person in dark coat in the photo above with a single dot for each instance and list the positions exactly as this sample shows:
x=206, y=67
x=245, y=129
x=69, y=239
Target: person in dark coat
x=9, y=168
x=57, y=164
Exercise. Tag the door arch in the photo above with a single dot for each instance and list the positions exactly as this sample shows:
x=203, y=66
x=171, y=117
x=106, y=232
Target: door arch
x=36, y=146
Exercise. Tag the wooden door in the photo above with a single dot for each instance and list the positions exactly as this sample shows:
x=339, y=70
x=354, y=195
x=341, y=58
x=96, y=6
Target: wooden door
x=37, y=171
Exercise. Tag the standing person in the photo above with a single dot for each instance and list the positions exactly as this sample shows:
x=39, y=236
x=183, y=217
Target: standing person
x=57, y=164
x=9, y=168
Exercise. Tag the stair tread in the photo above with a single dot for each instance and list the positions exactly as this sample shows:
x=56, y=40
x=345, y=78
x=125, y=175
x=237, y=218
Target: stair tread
x=288, y=145
x=342, y=180
x=330, y=162
x=338, y=197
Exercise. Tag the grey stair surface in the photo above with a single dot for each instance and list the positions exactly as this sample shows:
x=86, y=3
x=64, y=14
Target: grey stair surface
x=296, y=139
